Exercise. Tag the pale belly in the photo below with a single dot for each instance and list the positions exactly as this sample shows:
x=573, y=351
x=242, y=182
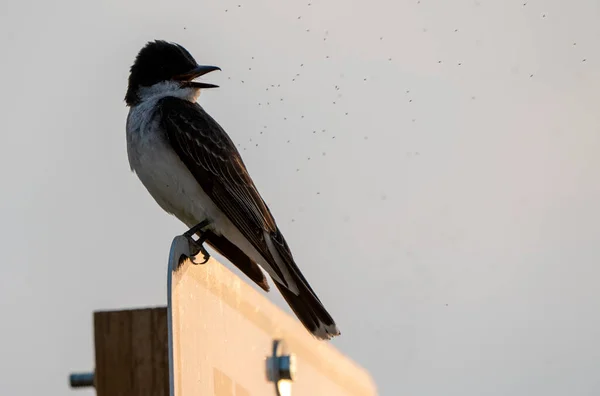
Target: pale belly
x=174, y=188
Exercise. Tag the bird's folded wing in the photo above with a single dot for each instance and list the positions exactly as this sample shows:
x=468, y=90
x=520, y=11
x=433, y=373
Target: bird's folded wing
x=211, y=156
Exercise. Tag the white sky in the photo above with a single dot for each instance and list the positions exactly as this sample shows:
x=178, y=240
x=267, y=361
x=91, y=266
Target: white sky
x=445, y=209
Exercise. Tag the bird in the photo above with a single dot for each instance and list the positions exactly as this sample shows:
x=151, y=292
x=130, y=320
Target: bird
x=193, y=170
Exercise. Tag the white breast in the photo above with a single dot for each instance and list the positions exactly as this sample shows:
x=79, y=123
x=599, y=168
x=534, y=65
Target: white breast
x=161, y=171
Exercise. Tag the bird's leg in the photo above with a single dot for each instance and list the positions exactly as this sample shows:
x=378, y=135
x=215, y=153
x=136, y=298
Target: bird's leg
x=198, y=245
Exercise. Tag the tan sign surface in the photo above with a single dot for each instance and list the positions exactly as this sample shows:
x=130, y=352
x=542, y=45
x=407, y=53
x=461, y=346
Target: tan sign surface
x=223, y=333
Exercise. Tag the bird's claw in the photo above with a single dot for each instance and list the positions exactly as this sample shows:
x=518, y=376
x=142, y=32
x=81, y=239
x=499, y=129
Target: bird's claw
x=197, y=247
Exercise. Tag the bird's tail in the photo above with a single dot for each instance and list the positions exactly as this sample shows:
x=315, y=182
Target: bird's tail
x=309, y=309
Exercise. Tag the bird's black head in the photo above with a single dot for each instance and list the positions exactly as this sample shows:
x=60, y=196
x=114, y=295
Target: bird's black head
x=162, y=61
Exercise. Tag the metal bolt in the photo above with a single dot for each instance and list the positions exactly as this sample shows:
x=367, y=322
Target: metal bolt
x=286, y=367
x=281, y=368
x=81, y=380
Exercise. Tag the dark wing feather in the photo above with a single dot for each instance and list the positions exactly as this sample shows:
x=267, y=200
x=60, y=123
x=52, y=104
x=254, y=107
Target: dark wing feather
x=211, y=156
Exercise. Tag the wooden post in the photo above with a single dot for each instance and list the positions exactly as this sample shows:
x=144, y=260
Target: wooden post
x=132, y=353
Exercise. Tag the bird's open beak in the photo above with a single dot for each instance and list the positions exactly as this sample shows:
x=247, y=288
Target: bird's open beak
x=198, y=71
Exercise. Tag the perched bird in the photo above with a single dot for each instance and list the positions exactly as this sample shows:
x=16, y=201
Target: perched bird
x=193, y=170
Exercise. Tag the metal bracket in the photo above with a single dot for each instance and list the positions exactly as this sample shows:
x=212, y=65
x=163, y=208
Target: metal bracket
x=281, y=368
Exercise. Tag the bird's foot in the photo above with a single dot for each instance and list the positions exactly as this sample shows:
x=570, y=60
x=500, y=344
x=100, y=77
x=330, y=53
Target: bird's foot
x=197, y=246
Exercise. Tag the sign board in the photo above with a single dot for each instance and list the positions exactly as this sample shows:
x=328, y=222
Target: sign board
x=223, y=333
